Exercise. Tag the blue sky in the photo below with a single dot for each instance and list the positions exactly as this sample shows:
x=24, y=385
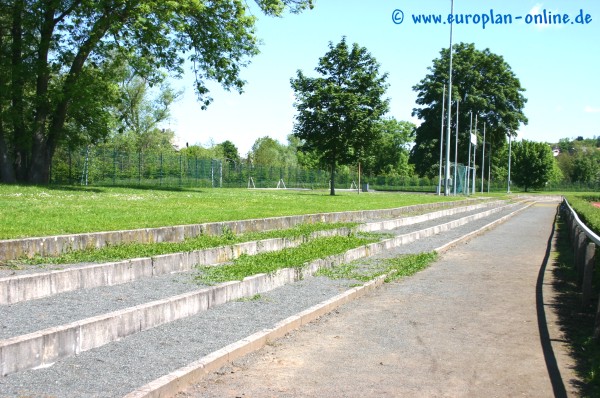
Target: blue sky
x=558, y=65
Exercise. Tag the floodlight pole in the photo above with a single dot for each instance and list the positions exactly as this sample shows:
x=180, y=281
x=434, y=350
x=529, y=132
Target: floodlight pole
x=474, y=152
x=474, y=164
x=439, y=191
x=483, y=159
x=467, y=173
x=489, y=167
x=448, y=131
x=456, y=146
x=509, y=156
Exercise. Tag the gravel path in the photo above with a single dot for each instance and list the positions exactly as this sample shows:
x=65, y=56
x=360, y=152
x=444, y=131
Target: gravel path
x=480, y=322
x=118, y=368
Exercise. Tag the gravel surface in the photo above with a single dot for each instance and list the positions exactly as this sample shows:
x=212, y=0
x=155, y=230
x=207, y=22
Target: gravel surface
x=18, y=268
x=49, y=312
x=119, y=367
x=480, y=322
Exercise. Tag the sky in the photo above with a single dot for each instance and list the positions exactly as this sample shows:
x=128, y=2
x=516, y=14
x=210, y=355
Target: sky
x=557, y=64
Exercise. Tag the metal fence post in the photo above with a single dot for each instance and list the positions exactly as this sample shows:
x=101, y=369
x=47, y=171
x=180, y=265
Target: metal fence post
x=114, y=166
x=140, y=168
x=180, y=169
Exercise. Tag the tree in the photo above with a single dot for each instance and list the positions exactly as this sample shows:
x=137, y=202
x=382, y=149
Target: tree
x=140, y=110
x=230, y=152
x=392, y=155
x=579, y=159
x=267, y=152
x=586, y=169
x=532, y=164
x=52, y=51
x=338, y=112
x=484, y=85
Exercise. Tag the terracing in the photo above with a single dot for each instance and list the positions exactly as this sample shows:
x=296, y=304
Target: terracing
x=146, y=327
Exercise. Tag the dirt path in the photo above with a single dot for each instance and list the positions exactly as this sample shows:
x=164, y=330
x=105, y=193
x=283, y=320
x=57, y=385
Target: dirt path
x=477, y=323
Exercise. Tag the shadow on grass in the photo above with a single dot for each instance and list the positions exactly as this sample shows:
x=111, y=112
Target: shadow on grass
x=103, y=188
x=576, y=321
x=73, y=188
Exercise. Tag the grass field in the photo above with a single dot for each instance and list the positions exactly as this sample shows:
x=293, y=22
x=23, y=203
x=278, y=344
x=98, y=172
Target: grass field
x=28, y=211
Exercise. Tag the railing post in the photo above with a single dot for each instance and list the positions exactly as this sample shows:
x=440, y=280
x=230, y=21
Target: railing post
x=597, y=324
x=580, y=255
x=588, y=272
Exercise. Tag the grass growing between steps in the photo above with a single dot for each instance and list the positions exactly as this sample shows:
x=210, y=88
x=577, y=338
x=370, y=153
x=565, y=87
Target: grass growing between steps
x=287, y=258
x=137, y=250
x=396, y=268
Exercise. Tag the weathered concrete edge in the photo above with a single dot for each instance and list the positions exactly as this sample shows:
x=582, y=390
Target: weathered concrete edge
x=169, y=385
x=404, y=221
x=46, y=346
x=19, y=288
x=13, y=249
x=444, y=248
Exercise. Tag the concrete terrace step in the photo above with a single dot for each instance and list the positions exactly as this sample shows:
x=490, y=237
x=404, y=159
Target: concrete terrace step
x=18, y=288
x=13, y=249
x=41, y=348
x=177, y=352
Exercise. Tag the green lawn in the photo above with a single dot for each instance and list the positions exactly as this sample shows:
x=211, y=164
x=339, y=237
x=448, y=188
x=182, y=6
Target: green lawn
x=28, y=211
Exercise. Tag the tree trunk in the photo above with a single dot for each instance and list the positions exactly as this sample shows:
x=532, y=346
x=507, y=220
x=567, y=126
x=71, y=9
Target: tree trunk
x=43, y=151
x=7, y=171
x=20, y=141
x=332, y=184
x=45, y=139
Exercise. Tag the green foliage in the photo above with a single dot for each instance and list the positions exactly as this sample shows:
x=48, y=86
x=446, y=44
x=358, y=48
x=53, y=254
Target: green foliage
x=287, y=258
x=485, y=85
x=533, y=164
x=338, y=112
x=391, y=157
x=579, y=160
x=139, y=111
x=267, y=152
x=587, y=212
x=230, y=152
x=395, y=268
x=136, y=250
x=57, y=64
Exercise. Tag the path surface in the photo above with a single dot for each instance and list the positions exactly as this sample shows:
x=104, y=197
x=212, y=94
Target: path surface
x=476, y=323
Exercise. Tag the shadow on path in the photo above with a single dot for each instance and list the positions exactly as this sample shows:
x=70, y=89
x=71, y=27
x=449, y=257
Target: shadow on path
x=551, y=364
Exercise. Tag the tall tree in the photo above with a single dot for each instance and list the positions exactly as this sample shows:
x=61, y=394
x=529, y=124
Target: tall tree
x=485, y=85
x=48, y=46
x=338, y=112
x=267, y=152
x=392, y=155
x=230, y=152
x=141, y=109
x=533, y=164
